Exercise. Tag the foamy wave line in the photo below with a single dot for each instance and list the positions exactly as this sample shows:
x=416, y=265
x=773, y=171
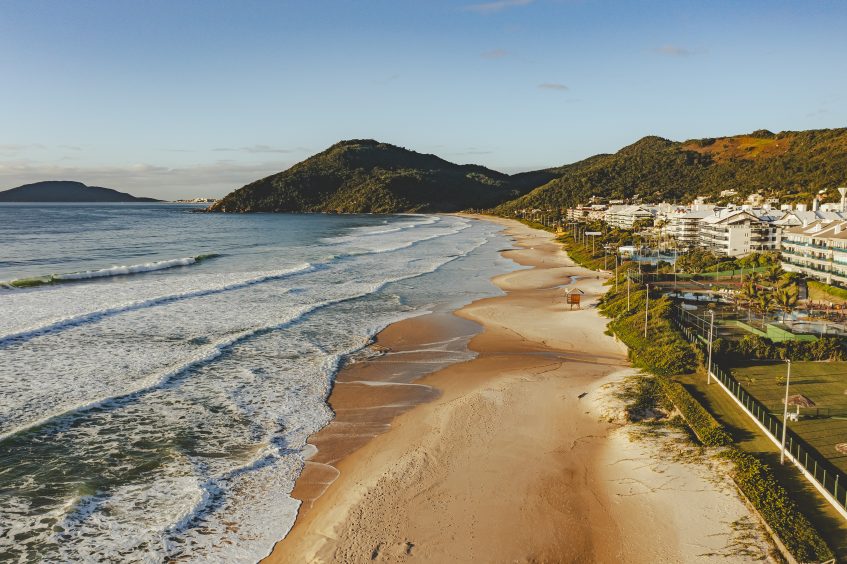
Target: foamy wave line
x=214, y=350
x=460, y=227
x=132, y=269
x=107, y=272
x=72, y=321
x=272, y=453
x=429, y=220
x=89, y=317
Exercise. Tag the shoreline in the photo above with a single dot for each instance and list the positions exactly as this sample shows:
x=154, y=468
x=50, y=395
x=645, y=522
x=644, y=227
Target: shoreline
x=496, y=458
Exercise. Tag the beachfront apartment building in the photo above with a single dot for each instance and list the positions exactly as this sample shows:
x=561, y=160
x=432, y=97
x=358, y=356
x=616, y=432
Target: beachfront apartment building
x=817, y=250
x=684, y=226
x=626, y=216
x=738, y=232
x=587, y=214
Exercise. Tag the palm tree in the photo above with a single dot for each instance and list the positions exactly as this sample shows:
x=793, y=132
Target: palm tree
x=786, y=298
x=749, y=294
x=764, y=302
x=773, y=274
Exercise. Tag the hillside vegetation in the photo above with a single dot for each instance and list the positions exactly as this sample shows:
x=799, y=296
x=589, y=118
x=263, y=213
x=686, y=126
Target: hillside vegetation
x=792, y=165
x=369, y=176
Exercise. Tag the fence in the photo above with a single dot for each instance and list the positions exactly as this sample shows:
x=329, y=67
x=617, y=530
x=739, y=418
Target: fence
x=829, y=480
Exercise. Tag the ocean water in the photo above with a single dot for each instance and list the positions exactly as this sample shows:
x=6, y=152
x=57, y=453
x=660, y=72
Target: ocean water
x=154, y=406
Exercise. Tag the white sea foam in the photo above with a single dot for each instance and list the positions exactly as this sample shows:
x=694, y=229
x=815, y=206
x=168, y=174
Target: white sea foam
x=125, y=270
x=96, y=315
x=175, y=428
x=359, y=233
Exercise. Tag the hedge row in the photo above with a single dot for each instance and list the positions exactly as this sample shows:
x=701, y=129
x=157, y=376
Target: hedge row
x=754, y=479
x=755, y=347
x=816, y=287
x=706, y=427
x=665, y=352
x=760, y=486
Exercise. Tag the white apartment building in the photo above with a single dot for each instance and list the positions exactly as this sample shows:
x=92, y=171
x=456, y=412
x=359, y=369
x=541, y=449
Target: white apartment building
x=684, y=226
x=624, y=217
x=595, y=212
x=737, y=232
x=817, y=250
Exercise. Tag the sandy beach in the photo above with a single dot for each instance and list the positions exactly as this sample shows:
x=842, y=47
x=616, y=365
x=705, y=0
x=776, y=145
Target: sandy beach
x=513, y=456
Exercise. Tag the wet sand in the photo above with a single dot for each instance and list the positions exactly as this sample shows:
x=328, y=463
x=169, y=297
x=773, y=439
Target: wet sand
x=503, y=458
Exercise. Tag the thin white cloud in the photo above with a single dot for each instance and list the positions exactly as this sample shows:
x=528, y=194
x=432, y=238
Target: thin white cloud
x=553, y=86
x=496, y=6
x=19, y=148
x=261, y=149
x=495, y=54
x=470, y=151
x=673, y=51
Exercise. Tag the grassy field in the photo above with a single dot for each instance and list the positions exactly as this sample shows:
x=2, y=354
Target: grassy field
x=751, y=439
x=825, y=383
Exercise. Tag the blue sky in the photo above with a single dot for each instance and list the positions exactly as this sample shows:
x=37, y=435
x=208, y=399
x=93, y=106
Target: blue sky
x=186, y=98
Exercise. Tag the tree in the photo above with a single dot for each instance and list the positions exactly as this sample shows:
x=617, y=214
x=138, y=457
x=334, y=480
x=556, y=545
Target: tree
x=749, y=294
x=773, y=274
x=786, y=299
x=765, y=303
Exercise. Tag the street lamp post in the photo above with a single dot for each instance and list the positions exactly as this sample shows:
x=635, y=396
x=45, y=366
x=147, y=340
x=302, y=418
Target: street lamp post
x=646, y=310
x=616, y=272
x=785, y=413
x=711, y=337
x=627, y=290
x=674, y=267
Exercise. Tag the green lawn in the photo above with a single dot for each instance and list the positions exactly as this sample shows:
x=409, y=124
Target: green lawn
x=751, y=439
x=825, y=383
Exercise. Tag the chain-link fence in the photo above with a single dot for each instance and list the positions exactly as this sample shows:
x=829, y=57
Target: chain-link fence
x=817, y=468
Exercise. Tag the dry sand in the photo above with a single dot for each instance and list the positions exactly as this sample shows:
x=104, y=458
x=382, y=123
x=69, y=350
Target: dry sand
x=509, y=457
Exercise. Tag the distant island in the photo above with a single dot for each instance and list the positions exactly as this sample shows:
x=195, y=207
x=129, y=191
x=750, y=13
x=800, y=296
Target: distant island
x=67, y=191
x=367, y=176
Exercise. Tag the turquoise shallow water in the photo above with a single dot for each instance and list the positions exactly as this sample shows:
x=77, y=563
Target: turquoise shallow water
x=160, y=409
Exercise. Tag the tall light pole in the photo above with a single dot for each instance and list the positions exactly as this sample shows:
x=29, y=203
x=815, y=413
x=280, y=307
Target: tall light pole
x=674, y=266
x=785, y=413
x=646, y=310
x=627, y=290
x=711, y=337
x=616, y=271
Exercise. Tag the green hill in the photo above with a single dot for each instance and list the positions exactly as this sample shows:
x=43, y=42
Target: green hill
x=368, y=176
x=792, y=165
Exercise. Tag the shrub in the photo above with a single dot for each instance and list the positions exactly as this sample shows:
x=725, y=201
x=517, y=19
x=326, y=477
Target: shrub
x=706, y=427
x=760, y=486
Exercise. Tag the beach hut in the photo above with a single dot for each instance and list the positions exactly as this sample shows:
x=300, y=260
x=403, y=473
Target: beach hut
x=572, y=296
x=799, y=400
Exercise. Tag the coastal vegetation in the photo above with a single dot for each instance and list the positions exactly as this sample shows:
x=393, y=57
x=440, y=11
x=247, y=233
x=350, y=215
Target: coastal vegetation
x=662, y=353
x=791, y=165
